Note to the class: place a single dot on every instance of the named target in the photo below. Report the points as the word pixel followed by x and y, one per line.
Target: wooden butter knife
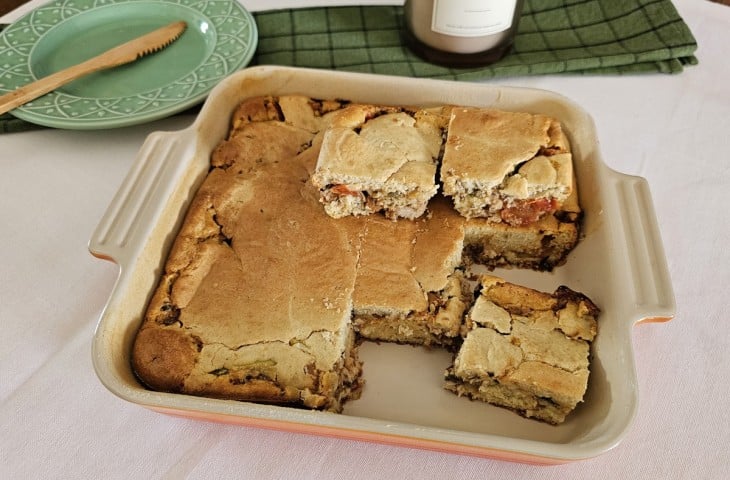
pixel 125 53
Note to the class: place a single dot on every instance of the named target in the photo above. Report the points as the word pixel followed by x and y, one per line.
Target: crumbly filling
pixel 520 199
pixel 438 325
pixel 335 387
pixel 541 248
pixel 341 200
pixel 525 404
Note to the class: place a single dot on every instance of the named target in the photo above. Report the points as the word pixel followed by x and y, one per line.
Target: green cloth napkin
pixel 554 36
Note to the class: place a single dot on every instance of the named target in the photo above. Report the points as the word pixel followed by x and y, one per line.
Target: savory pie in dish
pixel 266 295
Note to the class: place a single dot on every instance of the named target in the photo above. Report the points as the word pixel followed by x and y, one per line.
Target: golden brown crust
pixel 437 245
pixel 270 317
pixel 163 357
pixel 503 139
pixel 406 289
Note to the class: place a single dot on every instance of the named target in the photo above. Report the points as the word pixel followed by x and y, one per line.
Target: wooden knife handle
pixel 33 90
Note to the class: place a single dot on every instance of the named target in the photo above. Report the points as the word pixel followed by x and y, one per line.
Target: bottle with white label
pixel 461 33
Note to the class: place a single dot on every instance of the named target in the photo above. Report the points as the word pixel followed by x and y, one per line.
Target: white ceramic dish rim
pixel 141 222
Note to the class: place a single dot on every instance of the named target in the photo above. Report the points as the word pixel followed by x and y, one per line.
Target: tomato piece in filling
pixel 524 212
pixel 343 190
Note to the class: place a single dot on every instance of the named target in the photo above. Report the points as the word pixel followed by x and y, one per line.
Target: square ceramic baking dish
pixel 619 263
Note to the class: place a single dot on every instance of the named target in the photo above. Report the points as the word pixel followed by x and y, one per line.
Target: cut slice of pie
pixel 380 159
pixel 505 166
pixel 525 350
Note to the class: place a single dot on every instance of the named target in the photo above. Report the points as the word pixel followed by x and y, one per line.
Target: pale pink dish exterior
pixel 620 264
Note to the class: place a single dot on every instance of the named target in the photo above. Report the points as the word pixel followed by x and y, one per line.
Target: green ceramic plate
pixel 221 38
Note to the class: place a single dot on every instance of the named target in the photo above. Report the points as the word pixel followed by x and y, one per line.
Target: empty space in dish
pixel 403 401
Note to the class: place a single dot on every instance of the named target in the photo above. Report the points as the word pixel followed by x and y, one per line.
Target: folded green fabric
pixel 555 36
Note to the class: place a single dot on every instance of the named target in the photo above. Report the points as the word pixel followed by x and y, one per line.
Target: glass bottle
pixel 461 33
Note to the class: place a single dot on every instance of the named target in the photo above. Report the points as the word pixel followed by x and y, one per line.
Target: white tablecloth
pixel 58 421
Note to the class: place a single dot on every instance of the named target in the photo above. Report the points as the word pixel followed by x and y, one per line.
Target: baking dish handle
pixel 123 230
pixel 647 266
